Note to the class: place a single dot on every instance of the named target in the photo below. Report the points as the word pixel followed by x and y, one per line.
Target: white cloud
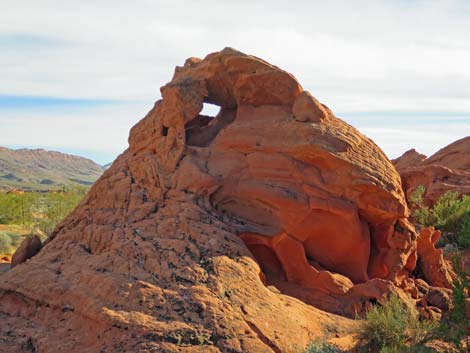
pixel 427 140
pixel 353 55
pixel 97 133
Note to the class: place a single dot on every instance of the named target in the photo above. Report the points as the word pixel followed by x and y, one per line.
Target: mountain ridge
pixel 43 170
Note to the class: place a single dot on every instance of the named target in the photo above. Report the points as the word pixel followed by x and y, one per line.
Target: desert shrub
pixel 421 215
pixel 394 328
pixel 39 210
pixel 449 210
pixel 16 208
pixel 9 242
pixel 53 208
pixel 450 214
pixel 463 234
pixel 322 347
pixel 35 212
pixel 455 325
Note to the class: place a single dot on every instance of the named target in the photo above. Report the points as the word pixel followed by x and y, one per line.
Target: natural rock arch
pixel 153 257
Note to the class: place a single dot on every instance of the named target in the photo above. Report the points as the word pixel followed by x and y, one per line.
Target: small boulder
pixel 430 313
pixel 440 298
pixel 422 285
pixel 30 246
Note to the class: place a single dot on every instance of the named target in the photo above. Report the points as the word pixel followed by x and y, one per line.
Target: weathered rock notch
pixel 156 256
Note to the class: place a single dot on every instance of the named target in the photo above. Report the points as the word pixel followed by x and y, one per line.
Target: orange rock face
pixel 408 159
pixel 446 170
pixel 437 271
pixel 453 156
pixel 179 245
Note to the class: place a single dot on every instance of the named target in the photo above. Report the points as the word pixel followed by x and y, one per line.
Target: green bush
pixel 455 325
pixel 450 214
pixel 449 210
pixel 9 242
pixel 463 235
pixel 39 211
pixel 35 212
pixel 422 214
pixel 54 207
pixel 322 347
pixel 394 328
pixel 17 208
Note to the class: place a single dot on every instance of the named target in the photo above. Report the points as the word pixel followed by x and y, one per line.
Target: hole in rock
pixel 210 110
pixel 206 125
pixel 165 131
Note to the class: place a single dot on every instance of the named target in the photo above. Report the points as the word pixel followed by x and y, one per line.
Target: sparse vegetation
pixel 34 212
pixel 421 214
pixel 9 242
pixel 463 235
pixel 393 328
pixel 450 214
pixel 456 325
pixel 322 347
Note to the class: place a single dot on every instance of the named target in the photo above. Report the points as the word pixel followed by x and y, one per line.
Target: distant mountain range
pixel 38 169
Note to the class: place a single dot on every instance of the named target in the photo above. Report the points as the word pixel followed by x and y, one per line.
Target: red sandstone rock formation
pixel 201 232
pixel 410 158
pixel 5 261
pixel 454 156
pixel 29 247
pixel 437 271
pixel 436 179
pixel 446 170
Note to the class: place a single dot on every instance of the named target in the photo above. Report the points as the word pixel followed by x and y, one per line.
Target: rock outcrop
pixel 29 247
pixel 446 170
pixel 436 179
pixel 437 271
pixel 5 263
pixel 205 233
pixel 453 156
pixel 410 158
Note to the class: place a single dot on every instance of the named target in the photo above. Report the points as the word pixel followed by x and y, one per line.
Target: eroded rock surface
pixel 437 271
pixel 446 170
pixel 205 233
pixel 410 158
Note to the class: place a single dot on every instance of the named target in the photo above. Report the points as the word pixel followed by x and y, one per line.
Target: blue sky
pixel 75 76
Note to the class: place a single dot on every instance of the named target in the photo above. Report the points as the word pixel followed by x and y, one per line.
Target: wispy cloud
pixel 361 58
pixel 20 103
pixel 98 132
pixel 18 41
pixel 408 113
